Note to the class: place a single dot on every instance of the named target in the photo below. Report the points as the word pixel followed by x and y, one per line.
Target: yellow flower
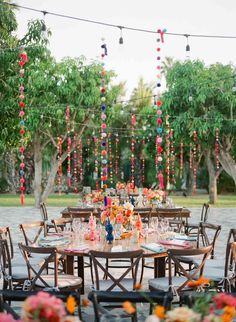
pixel 71 304
pixel 160 311
pixel 128 307
pixel 229 314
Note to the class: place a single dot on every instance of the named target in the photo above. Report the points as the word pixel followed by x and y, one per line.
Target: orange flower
pixel 128 307
pixel 160 311
pixel 137 286
pixel 85 302
pixel 199 282
pixel 71 304
pixel 229 313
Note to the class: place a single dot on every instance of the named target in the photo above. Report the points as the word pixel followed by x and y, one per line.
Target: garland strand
pixel 23 60
pixel 68 147
pixel 133 122
pixel 217 149
pixel 59 171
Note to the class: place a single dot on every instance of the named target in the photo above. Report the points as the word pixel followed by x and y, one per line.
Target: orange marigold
pixel 160 311
pixel 137 286
pixel 85 302
pixel 71 304
pixel 128 307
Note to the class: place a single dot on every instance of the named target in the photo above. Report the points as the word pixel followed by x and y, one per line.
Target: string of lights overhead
pixel 120 27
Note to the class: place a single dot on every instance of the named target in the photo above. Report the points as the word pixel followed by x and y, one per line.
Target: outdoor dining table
pixel 127 244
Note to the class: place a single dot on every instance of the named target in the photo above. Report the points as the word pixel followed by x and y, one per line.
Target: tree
pixel 200 98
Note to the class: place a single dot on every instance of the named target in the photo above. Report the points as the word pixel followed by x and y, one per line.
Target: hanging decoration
pixel 159 136
pixel 194 162
pixel 103 118
pixel 143 162
pixel 68 147
pixel 190 157
pixel 217 150
pixel 95 139
pixel 181 160
pixel 167 153
pixel 88 153
pixel 23 60
pixel 133 122
pixel 80 159
pixel 75 164
pixel 59 171
pixel 110 159
pixel 117 156
pixel 172 149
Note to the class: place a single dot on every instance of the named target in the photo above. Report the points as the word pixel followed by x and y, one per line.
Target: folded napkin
pixel 179 243
pixel 51 238
pixel 185 237
pixel 79 248
pixel 154 247
pixel 53 243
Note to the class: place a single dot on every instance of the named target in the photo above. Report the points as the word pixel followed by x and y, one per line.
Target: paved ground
pixel 13 216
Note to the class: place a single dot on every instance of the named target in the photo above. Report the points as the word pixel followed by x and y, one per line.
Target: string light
pixel 118 26
pixel 187 46
pixel 121 40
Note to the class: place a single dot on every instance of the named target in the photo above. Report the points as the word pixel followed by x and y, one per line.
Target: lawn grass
pixel 64 200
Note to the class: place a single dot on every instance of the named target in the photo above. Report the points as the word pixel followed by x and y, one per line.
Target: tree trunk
pixel 212 178
pixel 51 177
pixel 38 162
pixel 228 164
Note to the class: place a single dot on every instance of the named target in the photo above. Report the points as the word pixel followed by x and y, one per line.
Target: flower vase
pixel 109 230
pixel 118 231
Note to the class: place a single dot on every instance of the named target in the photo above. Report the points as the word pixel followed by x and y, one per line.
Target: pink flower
pixel 120 218
pixel 7 318
pixel 221 300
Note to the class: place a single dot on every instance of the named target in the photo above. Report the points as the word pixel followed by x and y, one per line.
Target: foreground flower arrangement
pixel 44 307
pixel 219 307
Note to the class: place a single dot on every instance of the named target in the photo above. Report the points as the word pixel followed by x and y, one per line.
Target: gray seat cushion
pixel 162 283
pixel 64 281
pixel 127 283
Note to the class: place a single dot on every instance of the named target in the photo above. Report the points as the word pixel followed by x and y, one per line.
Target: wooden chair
pixel 37 277
pixel 60 224
pixel 222 271
pixel 5 233
pixel 119 281
pixel 13 277
pixel 32 231
pixel 44 214
pixel 177 284
pixel 145 213
pixel 207 235
pixel 152 298
pixel 192 228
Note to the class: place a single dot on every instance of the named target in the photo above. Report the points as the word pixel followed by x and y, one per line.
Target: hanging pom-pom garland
pixel 217 149
pixel 167 153
pixel 110 159
pixel 117 157
pixel 23 60
pixel 181 160
pixel 88 153
pixel 59 171
pixel 68 147
pixel 133 122
pixel 75 161
pixel 80 159
pixel 194 162
pixel 95 139
pixel 143 163
pixel 159 136
pixel 103 118
pixel 172 157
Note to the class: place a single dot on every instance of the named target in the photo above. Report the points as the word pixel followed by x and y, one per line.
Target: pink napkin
pixel 78 249
pixel 178 243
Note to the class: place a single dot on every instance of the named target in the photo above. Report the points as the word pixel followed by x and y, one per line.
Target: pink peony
pixel 221 300
pixel 7 318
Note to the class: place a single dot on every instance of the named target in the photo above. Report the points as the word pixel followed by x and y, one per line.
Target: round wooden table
pixel 127 244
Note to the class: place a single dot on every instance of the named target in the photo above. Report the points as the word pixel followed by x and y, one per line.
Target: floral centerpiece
pixel 154 196
pixel 43 307
pixel 118 214
pixel 97 196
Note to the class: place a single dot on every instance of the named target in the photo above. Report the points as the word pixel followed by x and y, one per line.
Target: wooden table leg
pixel 69 265
pixel 159 266
pixel 81 271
